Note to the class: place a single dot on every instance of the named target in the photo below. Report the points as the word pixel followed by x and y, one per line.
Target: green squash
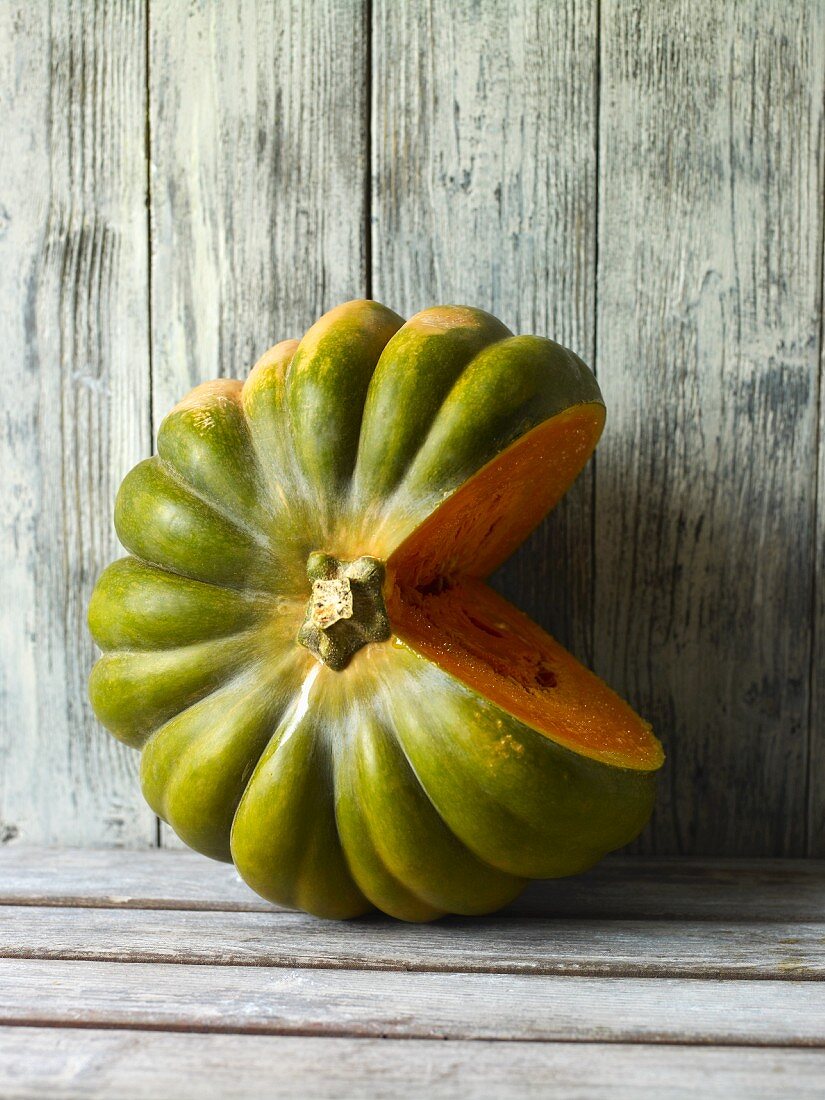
pixel 302 645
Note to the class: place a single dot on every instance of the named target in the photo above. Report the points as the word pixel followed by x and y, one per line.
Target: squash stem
pixel 346 610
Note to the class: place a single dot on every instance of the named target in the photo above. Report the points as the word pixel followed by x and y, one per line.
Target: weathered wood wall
pixel 182 184
pixel 75 397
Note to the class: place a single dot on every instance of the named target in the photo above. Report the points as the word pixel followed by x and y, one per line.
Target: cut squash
pixel 303 645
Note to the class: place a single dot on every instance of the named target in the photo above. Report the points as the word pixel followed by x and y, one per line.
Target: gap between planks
pixel 620 949
pixel 361 1004
pixel 65 1062
pixel 735 890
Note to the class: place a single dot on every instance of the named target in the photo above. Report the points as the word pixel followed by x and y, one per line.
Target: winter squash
pixel 302 643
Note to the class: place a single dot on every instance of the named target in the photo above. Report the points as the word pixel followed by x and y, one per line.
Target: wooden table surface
pixel 159 974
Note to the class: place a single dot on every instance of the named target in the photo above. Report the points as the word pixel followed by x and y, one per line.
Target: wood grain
pixel 484 192
pixel 359 1004
pixel 618 948
pixel 509 992
pixel 74 393
pixel 816 729
pixel 710 232
pixel 258 131
pixel 68 1063
pixel 634 889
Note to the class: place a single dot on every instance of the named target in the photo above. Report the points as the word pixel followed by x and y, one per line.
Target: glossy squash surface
pixel 301 641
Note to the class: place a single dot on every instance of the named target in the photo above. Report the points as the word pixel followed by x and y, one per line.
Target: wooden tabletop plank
pixel 113 878
pixel 738 890
pixel 517 946
pixel 133 1065
pixel 362 1003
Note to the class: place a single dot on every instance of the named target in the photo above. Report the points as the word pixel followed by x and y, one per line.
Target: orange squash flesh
pixel 439 606
pixel 481 524
pixel 496 650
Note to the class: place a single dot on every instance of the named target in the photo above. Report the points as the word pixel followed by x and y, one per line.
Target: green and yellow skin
pixel 258 646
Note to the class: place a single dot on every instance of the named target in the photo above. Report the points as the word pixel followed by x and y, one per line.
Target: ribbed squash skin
pixel 392 783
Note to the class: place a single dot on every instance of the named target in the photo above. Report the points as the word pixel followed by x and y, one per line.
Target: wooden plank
pixel 361 1003
pixel 816 729
pixel 517 946
pixel 737 890
pixel 258 128
pixel 153 879
pixel 68 1063
pixel 484 192
pixel 258 121
pixel 74 390
pixel 710 234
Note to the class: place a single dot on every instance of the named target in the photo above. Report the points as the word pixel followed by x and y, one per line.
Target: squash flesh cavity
pixel 439 606
pixel 497 651
pixel 482 523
